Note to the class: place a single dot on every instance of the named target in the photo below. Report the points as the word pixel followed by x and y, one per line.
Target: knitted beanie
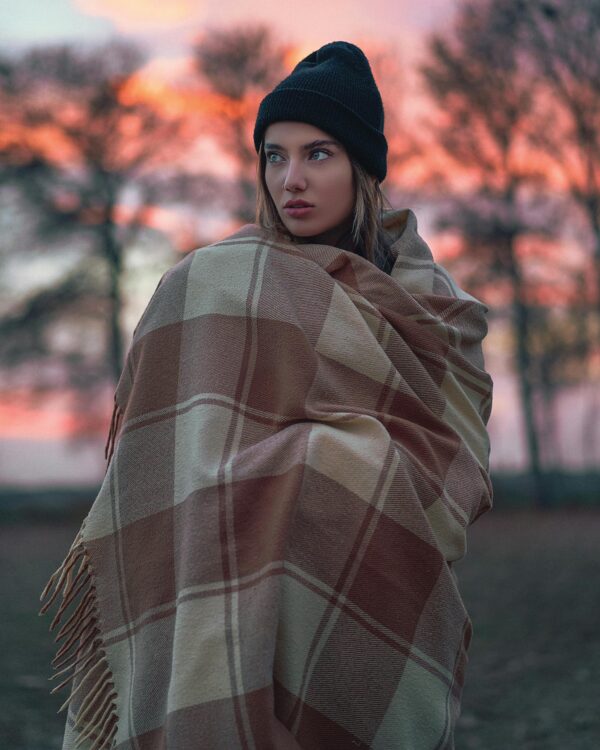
pixel 334 89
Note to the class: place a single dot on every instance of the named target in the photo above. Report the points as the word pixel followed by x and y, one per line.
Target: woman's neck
pixel 338 236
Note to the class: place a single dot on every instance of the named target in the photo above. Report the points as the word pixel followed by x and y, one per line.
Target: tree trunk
pixel 593 326
pixel 593 211
pixel 112 253
pixel 520 317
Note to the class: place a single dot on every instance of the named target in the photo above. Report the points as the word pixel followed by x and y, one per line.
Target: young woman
pixel 301 447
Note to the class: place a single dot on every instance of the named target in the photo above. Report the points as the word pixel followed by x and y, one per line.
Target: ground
pixel 529 582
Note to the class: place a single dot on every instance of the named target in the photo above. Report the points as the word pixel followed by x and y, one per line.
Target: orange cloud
pixel 132 15
pixel 169 69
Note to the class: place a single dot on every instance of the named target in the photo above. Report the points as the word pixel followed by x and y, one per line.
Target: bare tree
pixel 560 350
pixel 483 97
pixel 560 39
pixel 89 159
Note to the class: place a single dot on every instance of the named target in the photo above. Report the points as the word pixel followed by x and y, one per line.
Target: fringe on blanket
pixel 115 422
pixel 82 654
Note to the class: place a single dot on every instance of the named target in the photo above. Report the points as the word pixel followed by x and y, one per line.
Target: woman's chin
pixel 301 228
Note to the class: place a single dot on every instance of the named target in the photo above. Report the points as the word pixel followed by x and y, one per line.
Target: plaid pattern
pixel 302 448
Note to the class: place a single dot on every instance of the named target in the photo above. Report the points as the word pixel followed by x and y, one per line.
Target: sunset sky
pixel 168 27
pixel 167 30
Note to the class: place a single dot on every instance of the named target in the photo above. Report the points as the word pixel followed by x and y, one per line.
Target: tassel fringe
pixel 115 423
pixel 92 696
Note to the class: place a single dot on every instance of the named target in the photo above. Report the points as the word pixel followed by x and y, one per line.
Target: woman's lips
pixel 298 213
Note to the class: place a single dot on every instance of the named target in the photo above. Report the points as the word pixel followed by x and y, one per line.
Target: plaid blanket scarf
pixel 297 449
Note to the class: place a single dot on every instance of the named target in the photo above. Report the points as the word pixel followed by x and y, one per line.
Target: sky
pixel 166 29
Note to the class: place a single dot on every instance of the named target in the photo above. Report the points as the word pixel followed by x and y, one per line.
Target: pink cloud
pixel 139 15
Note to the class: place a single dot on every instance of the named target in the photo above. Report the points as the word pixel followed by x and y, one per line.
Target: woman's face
pixel 299 168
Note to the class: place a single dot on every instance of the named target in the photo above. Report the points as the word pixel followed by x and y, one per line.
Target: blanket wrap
pixel 297 449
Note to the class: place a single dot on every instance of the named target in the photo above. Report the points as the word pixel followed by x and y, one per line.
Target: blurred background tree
pixel 561 40
pixel 84 159
pixel 499 128
pixel 484 101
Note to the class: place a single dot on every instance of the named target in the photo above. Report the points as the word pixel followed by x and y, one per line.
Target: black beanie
pixel 333 89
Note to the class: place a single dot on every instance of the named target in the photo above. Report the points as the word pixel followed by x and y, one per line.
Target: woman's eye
pixel 269 154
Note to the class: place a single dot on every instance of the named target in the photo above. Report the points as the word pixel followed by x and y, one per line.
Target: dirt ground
pixel 530 582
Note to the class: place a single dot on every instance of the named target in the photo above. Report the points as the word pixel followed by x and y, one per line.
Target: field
pixel 530 582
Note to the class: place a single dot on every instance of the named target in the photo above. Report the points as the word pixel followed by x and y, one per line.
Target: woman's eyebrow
pixel 306 146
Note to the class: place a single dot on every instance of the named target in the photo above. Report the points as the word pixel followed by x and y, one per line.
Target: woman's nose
pixel 295 178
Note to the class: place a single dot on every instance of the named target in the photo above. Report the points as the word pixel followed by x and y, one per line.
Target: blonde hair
pixel 369 237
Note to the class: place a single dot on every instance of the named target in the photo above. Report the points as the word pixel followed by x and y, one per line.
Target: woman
pixel 301 448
